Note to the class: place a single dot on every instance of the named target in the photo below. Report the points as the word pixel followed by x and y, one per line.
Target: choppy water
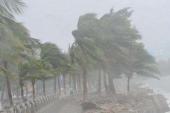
pixel 161 86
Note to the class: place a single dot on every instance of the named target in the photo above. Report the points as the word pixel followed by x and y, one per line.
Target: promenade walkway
pixel 68 105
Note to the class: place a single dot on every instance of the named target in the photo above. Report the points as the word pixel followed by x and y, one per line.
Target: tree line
pixel 107 47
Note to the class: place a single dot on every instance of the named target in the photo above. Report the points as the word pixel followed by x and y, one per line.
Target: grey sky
pixel 53 20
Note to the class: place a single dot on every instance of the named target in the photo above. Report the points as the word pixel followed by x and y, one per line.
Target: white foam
pixel 160 87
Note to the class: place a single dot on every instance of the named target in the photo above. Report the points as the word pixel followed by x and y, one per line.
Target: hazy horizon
pixel 51 20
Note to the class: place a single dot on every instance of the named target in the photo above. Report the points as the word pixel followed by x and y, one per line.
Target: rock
pixel 140 101
pixel 89 106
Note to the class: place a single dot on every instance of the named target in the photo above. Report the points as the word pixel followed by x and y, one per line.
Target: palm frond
pixel 10 7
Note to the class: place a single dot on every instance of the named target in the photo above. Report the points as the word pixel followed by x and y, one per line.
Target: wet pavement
pixel 63 106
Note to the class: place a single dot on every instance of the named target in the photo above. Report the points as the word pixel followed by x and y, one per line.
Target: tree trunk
pixel 64 83
pixel 26 91
pixel 55 85
pixel 59 85
pixel 105 82
pixel 8 83
pixel 33 88
pixel 111 84
pixel 128 84
pixel 79 85
pixel 99 82
pixel 70 81
pixel 85 90
pixel 2 92
pixel 9 90
pixel 18 93
pixel 21 88
pixel 74 83
pixel 44 88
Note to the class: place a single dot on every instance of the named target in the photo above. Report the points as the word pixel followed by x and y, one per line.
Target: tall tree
pixel 141 63
pixel 108 41
pixel 7 9
pixel 37 70
pixel 53 55
pixel 11 48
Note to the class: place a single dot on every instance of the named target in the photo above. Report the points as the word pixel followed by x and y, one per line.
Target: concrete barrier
pixel 31 106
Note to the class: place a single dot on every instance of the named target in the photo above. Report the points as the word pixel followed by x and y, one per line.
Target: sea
pixel 161 86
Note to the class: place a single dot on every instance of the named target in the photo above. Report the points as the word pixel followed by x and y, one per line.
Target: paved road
pixel 68 105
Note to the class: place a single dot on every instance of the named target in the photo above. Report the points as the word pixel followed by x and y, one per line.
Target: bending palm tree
pixel 10 7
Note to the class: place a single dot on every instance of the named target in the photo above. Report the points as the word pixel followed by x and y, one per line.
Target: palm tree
pixel 31 46
pixel 10 7
pixel 141 63
pixel 37 70
pixel 45 72
pixel 96 39
pixel 53 55
pixel 11 48
pixel 79 55
pixel 7 9
pixel 107 41
pixel 116 34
